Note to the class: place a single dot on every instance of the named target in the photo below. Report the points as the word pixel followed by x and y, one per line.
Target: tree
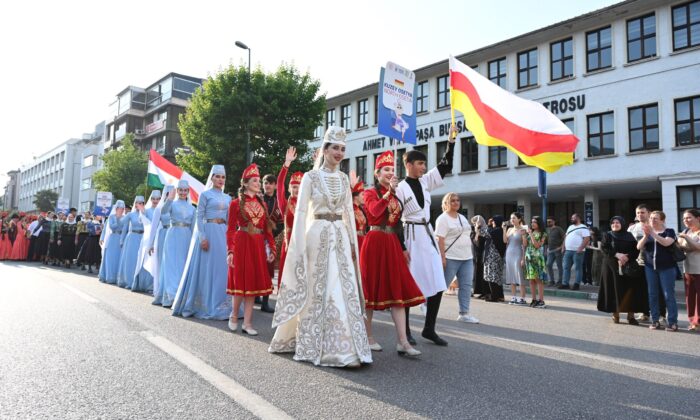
pixel 45 200
pixel 124 171
pixel 282 108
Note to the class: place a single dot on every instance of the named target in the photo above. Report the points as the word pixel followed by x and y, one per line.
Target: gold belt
pixel 361 233
pixel 385 229
pixel 328 217
pixel 217 221
pixel 251 230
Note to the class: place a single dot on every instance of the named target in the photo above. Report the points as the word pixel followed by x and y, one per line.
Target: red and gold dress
pixel 20 247
pixel 246 234
pixel 386 279
pixel 360 225
pixel 5 243
pixel 287 207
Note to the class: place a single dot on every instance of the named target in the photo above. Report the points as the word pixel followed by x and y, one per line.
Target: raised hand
pixel 291 156
pixel 353 179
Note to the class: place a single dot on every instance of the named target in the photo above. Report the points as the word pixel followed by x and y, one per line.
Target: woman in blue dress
pixel 132 233
pixel 111 244
pixel 202 289
pixel 143 280
pixel 176 242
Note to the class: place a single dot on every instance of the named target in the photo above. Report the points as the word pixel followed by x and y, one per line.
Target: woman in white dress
pixel 320 307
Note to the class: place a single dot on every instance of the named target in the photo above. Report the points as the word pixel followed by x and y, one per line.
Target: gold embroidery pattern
pixel 394 209
pixel 254 211
pixel 336 339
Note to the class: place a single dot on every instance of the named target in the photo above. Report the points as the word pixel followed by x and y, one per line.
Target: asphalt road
pixel 71 347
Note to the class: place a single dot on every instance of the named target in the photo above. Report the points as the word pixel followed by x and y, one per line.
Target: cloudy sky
pixel 63 62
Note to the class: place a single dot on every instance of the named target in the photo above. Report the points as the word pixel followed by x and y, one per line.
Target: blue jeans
pixel 552 257
pixel 664 279
pixel 576 259
pixel 464 270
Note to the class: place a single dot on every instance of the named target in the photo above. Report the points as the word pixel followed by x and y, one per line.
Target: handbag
pixel 676 252
pixel 632 269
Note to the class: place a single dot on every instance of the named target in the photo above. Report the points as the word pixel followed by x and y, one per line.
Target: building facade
pixel 10 199
pixel 151 114
pixel 625 79
pixel 90 162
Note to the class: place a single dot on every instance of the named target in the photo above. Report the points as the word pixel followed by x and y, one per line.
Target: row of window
pixel 641 44
pixel 643 131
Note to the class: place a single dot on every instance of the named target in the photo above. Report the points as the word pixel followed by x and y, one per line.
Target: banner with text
pixel 396 111
pixel 103 203
pixel 62 205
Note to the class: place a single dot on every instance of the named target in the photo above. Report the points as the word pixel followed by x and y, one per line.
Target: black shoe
pixel 258 300
pixel 534 303
pixel 411 340
pixel 265 307
pixel 432 336
pixel 563 286
pixel 82 268
pixel 551 284
pixel 575 286
pixel 90 270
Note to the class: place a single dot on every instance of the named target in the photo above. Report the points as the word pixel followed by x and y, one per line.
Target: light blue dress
pixel 202 291
pixel 130 249
pixel 143 281
pixel 176 243
pixel 112 251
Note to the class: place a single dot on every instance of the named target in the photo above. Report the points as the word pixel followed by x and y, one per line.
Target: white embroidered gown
pixel 320 307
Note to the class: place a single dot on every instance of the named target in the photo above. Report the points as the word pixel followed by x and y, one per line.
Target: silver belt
pixel 328 217
pixel 180 224
pixel 137 231
pixel 218 221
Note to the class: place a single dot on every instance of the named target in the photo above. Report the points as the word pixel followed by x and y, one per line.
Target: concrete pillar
pixel 590 204
pixel 525 205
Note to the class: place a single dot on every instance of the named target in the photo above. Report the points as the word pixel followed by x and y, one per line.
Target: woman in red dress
pixel 5 244
pixel 358 201
pixel 247 231
pixel 386 279
pixel 21 244
pixel 287 207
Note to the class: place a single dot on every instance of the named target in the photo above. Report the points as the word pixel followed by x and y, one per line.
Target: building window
pixel 688 198
pixel 89 161
pixel 601 134
pixel 688 121
pixel 361 167
pixel 422 102
pixel 86 184
pixel 330 117
pixel 497 72
pixel 561 59
pixel 470 155
pixel 644 127
pixel 527 68
pixel 641 37
pixel 686 25
pixel 346 116
pixel 400 169
pixel 599 49
pixel 362 113
pixel 345 166
pixel 498 157
pixel 85 206
pixel 569 122
pixel 319 132
pixel 443 91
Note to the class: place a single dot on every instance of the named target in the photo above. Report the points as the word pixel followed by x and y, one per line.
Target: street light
pixel 241 45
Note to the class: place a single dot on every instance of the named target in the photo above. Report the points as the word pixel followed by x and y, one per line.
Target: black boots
pixel 430 319
pixel 409 337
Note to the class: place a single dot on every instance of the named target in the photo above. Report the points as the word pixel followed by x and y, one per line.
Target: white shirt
pixel 33 226
pixel 456 232
pixel 636 230
pixel 574 236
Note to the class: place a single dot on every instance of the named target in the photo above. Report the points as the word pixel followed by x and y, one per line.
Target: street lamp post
pixel 239 44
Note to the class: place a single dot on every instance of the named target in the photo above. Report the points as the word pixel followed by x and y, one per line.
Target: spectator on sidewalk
pixel 660 268
pixel 592 259
pixel 516 239
pixel 478 237
pixel 494 251
pixel 534 262
pixel 689 241
pixel 575 242
pixel 555 245
pixel 641 213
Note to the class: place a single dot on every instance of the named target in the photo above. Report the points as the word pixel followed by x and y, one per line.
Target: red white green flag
pixel 162 172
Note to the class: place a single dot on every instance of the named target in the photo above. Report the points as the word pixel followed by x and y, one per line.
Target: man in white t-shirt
pixel 577 238
pixel 453 234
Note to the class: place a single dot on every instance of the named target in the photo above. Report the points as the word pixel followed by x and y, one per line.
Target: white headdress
pixel 334 135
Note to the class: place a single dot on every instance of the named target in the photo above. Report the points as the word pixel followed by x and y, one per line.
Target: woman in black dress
pixel 494 251
pixel 622 286
pixel 478 237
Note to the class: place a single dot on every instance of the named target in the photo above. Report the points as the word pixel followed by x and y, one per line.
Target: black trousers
pixel 433 303
pixel 32 246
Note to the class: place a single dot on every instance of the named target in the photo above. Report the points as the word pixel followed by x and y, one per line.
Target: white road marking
pixel 592 356
pixel 84 296
pixel 656 410
pixel 237 392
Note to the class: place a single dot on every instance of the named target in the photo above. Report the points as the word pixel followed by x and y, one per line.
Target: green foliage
pixel 45 200
pixel 124 171
pixel 282 109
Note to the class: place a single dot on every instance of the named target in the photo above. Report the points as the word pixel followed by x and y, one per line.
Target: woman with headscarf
pixel 622 286
pixel 249 232
pixel 319 313
pixel 478 237
pixel 494 251
pixel 42 244
pixel 111 240
pixel 180 212
pixel 132 229
pixel 89 254
pixel 143 280
pixel 202 289
pixel 66 240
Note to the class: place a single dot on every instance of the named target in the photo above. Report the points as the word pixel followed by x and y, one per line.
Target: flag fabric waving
pixel 161 172
pixel 497 117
